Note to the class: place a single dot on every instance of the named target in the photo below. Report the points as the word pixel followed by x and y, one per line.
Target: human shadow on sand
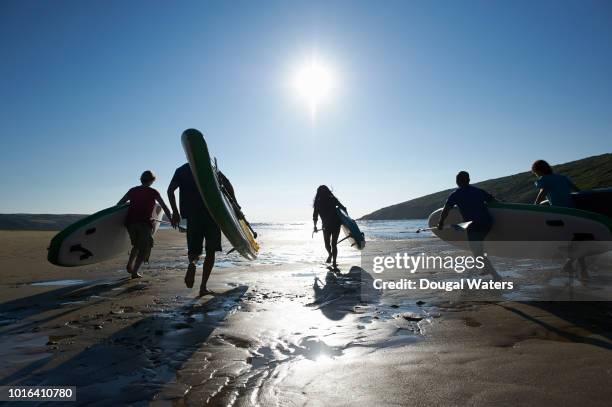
pixel 135 363
pixel 338 295
pixel 77 296
pixel 592 317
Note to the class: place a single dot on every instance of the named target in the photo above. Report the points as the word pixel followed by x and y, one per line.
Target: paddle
pixel 315 231
pixel 460 227
pixel 339 241
pixel 229 193
pixel 250 228
pixel 344 238
pixel 180 228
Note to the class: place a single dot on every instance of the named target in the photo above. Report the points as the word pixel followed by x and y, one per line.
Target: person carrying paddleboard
pixel 556 188
pixel 324 205
pixel 471 202
pixel 138 220
pixel 200 225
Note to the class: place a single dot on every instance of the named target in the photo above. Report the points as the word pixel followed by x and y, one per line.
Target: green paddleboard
pixel 95 238
pixel 217 200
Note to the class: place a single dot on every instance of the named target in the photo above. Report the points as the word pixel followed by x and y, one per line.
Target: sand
pixel 274 335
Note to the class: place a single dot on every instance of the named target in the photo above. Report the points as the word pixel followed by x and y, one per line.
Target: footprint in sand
pixel 471 322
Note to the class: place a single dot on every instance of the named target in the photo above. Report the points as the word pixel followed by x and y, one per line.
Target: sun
pixel 314 83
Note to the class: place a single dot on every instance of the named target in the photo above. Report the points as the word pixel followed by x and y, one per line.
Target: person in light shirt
pixel 556 188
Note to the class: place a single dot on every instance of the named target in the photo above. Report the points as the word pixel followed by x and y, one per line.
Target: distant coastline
pixel 29 221
pixel 39 222
pixel 587 173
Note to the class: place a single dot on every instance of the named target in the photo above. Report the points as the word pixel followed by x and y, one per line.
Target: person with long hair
pixel 556 188
pixel 324 206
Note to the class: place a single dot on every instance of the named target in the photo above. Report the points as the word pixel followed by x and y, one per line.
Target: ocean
pixel 293 244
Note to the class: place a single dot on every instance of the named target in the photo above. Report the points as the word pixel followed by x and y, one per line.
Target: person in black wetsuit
pixel 324 205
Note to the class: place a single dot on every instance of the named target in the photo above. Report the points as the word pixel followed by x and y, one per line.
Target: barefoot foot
pixel 205 291
pixel 190 275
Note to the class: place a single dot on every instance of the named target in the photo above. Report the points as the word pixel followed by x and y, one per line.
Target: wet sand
pixel 283 334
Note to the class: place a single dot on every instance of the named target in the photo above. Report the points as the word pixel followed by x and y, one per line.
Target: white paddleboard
pixel 95 238
pixel 534 231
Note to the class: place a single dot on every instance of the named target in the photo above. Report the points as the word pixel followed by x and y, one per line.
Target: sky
pixel 93 93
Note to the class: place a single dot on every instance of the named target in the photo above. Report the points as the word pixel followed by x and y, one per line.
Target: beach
pixel 410 203
pixel 283 333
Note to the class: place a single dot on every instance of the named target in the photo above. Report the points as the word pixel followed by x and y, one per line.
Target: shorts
pixel 141 236
pixel 199 228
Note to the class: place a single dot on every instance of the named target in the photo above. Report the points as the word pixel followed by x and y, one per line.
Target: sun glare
pixel 314 83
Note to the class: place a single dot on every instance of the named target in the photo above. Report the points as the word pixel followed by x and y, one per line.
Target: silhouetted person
pixel 139 220
pixel 324 205
pixel 556 188
pixel 200 225
pixel 471 202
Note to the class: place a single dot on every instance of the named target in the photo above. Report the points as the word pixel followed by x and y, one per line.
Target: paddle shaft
pixel 316 231
pixel 462 225
pixel 229 194
pixel 180 228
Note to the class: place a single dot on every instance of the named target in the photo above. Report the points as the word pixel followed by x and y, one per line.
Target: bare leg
pixel 130 263
pixel 191 270
pixel 476 237
pixel 569 266
pixel 489 267
pixel 584 274
pixel 334 245
pixel 137 264
pixel 326 240
pixel 209 262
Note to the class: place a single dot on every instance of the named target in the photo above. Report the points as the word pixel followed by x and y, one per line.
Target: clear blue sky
pixel 94 92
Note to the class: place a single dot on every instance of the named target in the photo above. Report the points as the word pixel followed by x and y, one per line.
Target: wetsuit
pixel 326 209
